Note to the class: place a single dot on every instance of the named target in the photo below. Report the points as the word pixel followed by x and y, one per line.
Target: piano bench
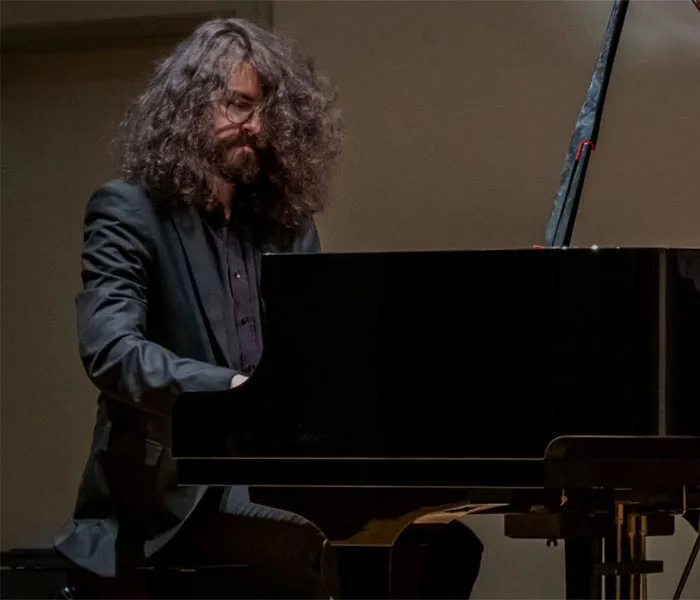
pixel 44 573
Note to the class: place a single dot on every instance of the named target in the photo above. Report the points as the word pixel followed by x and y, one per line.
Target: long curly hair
pixel 166 136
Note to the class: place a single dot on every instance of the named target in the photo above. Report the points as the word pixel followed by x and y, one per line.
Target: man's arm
pixel 112 310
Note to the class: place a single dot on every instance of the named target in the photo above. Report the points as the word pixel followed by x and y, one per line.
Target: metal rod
pixel 643 551
pixel 631 537
pixel 619 521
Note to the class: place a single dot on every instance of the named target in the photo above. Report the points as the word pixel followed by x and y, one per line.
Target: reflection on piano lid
pixel 480 354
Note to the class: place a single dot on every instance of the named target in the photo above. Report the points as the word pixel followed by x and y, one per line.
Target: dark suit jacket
pixel 150 326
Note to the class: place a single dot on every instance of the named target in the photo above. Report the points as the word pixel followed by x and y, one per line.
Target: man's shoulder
pixel 122 191
pixel 123 199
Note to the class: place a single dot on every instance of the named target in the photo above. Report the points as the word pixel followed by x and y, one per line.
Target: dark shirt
pixel 233 248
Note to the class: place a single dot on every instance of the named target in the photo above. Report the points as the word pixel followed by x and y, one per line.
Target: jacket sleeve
pixel 117 265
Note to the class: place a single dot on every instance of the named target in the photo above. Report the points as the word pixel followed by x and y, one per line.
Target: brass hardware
pixel 643 551
pixel 631 535
pixel 619 520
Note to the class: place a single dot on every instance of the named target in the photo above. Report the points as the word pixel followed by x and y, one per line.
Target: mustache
pixel 242 140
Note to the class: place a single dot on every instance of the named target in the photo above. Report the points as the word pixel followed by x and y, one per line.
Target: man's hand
pixel 237 380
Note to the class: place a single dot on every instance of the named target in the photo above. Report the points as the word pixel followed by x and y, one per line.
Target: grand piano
pixel 555 386
pixel 399 391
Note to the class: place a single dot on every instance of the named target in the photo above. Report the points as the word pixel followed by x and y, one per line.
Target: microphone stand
pixel 585 136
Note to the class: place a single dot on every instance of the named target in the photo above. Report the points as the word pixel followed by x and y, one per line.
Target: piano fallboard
pixel 362 472
pixel 637 463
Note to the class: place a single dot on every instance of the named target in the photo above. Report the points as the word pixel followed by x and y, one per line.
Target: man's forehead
pixel 244 77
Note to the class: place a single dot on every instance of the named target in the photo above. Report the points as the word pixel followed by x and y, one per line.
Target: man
pixel 226 154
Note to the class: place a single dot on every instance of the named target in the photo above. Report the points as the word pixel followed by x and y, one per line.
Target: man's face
pixel 237 125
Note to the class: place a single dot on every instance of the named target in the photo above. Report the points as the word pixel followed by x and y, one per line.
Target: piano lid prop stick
pixel 585 136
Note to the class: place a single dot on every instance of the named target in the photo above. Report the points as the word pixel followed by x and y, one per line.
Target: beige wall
pixel 458 118
pixel 460 113
pixel 60 111
pixel 58 115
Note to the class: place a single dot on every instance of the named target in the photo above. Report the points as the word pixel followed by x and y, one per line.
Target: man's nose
pixel 254 124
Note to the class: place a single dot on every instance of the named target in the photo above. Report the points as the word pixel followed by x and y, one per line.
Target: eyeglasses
pixel 239 109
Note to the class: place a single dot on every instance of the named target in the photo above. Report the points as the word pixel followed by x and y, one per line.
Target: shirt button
pixel 244 320
pixel 237 275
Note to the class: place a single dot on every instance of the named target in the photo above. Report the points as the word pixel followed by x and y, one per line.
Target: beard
pixel 238 164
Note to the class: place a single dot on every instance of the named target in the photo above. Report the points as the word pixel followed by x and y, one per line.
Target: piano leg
pixel 581 556
pixel 364 571
pixel 432 559
pixel 435 557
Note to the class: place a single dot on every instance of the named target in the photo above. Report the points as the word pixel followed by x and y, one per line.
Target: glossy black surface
pixel 364 472
pixel 457 354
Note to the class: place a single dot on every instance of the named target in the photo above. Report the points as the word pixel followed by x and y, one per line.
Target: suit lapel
pixel 203 272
